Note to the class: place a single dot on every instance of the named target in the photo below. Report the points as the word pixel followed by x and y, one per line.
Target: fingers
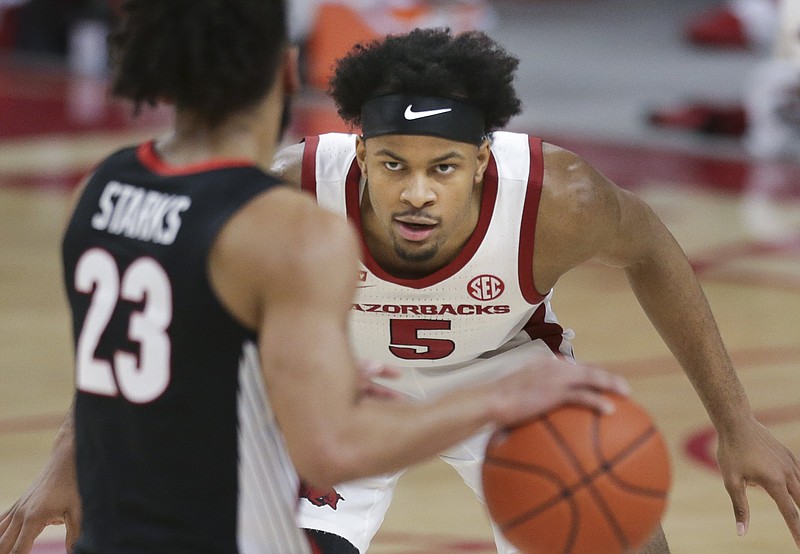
pixel 5 521
pixel 8 532
pixel 9 536
pixel 603 380
pixel 741 508
pixel 592 400
pixel 788 499
pixel 27 536
pixel 73 531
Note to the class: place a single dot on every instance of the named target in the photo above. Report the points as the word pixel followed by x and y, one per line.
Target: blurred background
pixel 693 104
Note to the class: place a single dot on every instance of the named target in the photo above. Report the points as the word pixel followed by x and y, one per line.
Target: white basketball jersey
pixel 482 303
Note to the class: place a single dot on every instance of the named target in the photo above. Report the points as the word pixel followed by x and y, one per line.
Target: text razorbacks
pixel 433 309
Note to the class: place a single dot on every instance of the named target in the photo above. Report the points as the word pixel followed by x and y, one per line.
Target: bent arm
pixel 298 295
pixel 626 233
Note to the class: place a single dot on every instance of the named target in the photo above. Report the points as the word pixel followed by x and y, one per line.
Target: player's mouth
pixel 415 229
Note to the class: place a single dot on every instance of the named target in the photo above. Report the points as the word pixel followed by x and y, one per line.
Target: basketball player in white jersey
pixel 192 277
pixel 465 230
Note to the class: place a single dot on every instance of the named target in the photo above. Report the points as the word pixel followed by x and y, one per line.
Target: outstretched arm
pixel 626 233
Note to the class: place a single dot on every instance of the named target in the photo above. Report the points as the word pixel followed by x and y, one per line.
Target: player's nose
pixel 417 191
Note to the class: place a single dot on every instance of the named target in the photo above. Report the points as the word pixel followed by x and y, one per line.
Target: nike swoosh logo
pixel 412 115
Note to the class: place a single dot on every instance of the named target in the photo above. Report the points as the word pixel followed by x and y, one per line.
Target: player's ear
pixel 291 70
pixel 483 160
pixel 361 155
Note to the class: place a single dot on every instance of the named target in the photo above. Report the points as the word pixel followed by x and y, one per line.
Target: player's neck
pixel 250 135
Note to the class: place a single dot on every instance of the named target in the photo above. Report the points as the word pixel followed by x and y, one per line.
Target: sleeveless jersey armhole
pixel 530 213
pixel 308 177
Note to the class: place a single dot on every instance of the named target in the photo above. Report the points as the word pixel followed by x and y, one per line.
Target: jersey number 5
pixel 408 345
pixel 139 379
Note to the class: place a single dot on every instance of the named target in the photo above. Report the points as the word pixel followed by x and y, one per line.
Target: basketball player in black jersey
pixel 210 350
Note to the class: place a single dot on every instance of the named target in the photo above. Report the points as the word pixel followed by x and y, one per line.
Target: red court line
pixel 405 543
pixel 632 166
pixel 726 253
pixel 42 181
pixel 743 359
pixel 422 543
pixel 754 279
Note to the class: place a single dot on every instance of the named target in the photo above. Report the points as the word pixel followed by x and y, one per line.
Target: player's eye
pixel 445 169
pixel 393 166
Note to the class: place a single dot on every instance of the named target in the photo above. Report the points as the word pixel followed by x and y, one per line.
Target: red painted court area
pixel 39 103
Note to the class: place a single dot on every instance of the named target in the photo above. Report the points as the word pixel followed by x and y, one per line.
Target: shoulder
pixel 285 226
pixel 573 186
pixel 287 164
pixel 578 213
pixel 272 250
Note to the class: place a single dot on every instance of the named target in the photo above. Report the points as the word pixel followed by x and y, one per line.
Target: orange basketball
pixel 575 481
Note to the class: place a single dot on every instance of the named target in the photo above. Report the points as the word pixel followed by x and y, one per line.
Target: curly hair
pixel 470 67
pixel 214 57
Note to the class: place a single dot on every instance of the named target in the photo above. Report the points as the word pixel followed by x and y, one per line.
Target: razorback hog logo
pixel 485 287
pixel 320 497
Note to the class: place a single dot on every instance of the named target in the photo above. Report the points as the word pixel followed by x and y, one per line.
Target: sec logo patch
pixel 486 287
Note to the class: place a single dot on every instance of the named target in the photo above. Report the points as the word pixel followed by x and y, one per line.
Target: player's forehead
pixel 419 148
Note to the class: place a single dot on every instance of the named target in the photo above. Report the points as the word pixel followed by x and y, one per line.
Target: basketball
pixel 575 481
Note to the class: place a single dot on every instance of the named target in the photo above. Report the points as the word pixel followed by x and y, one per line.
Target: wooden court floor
pixel 740 227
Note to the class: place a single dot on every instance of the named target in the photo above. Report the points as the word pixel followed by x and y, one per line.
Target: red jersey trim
pixel 308 173
pixel 530 212
pixel 147 155
pixel 489 196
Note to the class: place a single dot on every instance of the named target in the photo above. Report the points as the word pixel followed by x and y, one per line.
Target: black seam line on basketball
pixel 607 467
pixel 587 478
pixel 621 483
pixel 529 468
pixel 604 467
pixel 632 447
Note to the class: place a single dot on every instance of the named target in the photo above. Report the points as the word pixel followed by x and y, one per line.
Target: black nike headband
pixel 401 114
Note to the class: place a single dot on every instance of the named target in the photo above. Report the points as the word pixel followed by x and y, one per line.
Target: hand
pixel 548 382
pixel 752 456
pixel 52 499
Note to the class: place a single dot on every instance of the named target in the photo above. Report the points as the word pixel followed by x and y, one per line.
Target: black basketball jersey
pixel 177 448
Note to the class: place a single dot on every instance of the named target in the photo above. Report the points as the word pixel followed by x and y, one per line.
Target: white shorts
pixel 361 505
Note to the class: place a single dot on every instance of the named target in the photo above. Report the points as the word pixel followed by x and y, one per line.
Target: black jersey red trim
pixel 147 155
